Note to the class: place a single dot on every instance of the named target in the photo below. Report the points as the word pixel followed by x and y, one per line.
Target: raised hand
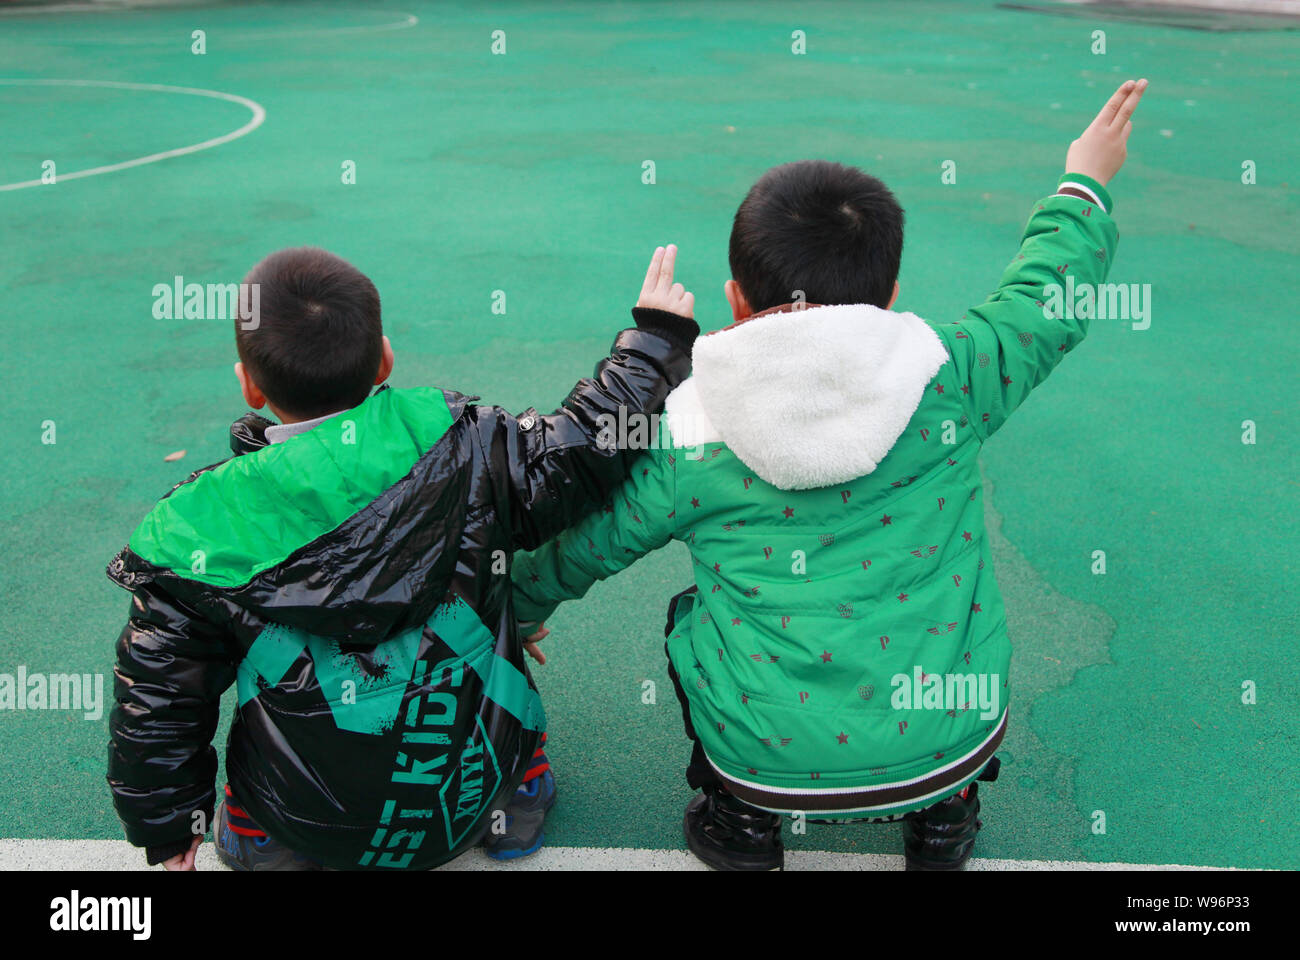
pixel 659 292
pixel 1101 149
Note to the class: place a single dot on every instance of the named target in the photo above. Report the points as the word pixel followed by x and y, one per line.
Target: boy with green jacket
pixel 844 651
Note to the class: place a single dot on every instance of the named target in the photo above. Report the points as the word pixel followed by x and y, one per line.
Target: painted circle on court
pixel 257 110
pixel 404 22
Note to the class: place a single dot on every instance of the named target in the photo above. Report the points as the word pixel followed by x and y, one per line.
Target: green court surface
pixel 522 172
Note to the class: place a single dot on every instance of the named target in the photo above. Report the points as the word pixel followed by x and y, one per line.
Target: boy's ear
pixel 252 396
pixel 385 363
pixel 740 308
pixel 890 304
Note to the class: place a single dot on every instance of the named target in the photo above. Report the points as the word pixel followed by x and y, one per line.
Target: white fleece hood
pixel 807 398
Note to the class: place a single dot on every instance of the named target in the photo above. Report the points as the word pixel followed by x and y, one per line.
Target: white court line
pixel 60 8
pixel 408 20
pixel 259 115
pixel 118 855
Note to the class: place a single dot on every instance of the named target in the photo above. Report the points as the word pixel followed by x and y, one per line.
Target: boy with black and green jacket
pixel 843 653
pixel 348 572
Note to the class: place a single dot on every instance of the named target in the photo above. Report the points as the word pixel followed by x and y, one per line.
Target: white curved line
pixel 259 115
pixel 409 21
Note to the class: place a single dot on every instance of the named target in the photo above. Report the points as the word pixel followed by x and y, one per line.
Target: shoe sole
pixel 500 855
pixel 931 867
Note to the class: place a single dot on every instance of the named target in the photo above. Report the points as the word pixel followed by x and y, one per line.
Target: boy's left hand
pixel 531 641
pixel 184 861
pixel 659 292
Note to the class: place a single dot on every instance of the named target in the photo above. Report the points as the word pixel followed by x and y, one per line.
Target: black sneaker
pixel 728 834
pixel 942 836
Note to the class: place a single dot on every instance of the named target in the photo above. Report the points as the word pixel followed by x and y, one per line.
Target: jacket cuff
pixel 165 851
pixel 679 331
pixel 531 615
pixel 1085 185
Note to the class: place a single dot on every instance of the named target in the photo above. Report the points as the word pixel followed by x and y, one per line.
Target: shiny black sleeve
pixel 172 668
pixel 552 470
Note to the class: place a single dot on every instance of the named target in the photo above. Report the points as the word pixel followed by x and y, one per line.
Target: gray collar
pixel 280 432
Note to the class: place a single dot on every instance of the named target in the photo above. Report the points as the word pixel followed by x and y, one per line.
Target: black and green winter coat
pixel 353 584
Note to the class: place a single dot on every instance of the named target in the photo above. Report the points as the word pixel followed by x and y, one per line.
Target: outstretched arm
pixel 1008 345
pixel 638 518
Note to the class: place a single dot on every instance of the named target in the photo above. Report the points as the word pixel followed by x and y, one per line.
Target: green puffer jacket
pixel 847 652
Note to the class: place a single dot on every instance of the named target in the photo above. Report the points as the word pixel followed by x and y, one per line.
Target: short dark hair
pixel 829 230
pixel 318 342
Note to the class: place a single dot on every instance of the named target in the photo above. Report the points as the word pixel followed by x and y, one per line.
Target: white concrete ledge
pixel 118 855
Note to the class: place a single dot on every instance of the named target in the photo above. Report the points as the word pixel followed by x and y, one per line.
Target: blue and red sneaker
pixel 241 845
pixel 525 816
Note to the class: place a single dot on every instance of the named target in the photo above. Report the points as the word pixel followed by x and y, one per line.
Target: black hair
pixel 317 342
pixel 829 230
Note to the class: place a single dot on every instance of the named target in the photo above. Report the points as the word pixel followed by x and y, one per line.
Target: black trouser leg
pixel 722 830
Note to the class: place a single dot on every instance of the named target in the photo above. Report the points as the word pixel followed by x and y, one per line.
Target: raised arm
pixel 637 519
pixel 1009 344
pixel 551 470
